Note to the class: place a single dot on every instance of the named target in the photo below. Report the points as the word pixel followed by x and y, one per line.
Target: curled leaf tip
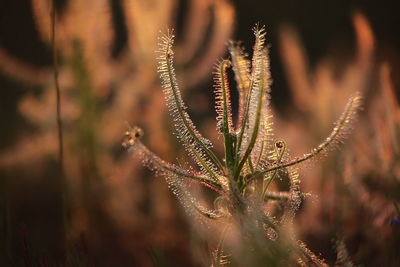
pixel 131 136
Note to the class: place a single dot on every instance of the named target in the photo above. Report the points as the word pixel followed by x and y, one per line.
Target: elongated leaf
pixel 257 98
pixel 241 67
pixel 340 132
pixel 253 91
pixel 197 146
pixel 265 138
pixel 162 167
pixel 223 108
pixel 222 98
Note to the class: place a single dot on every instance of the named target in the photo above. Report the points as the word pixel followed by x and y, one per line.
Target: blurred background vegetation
pixel 106 209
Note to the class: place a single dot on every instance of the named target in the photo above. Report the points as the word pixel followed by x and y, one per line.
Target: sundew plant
pixel 250 199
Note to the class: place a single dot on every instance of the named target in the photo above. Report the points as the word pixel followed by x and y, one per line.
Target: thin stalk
pixel 64 194
pixel 57 87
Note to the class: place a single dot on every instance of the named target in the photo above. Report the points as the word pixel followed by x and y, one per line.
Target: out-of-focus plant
pixel 245 200
pixel 360 184
pixel 106 73
pixel 85 38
